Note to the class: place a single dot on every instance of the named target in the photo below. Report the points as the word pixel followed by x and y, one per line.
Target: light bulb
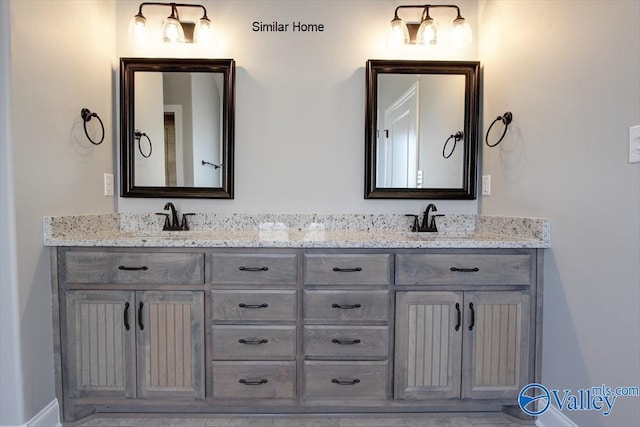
pixel 399 32
pixel 203 32
pixel 138 30
pixel 172 31
pixel 460 33
pixel 427 32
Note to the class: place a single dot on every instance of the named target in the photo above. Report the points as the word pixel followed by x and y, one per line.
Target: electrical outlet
pixel 634 144
pixel 108 184
pixel 486 185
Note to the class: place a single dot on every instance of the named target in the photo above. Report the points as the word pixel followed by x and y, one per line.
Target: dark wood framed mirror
pixel 177 127
pixel 421 129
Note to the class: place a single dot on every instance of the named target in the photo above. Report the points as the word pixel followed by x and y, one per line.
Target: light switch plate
pixel 108 184
pixel 634 144
pixel 486 185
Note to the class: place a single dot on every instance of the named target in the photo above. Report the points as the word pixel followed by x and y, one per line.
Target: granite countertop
pixel 210 230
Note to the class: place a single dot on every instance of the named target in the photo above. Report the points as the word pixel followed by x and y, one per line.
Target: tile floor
pixel 367 420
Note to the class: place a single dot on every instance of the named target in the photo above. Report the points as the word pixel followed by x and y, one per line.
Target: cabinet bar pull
pixel 253 342
pixel 347 270
pixel 243 268
pixel 346 306
pixel 125 268
pixel 345 342
pixel 243 305
pixel 473 316
pixel 126 316
pixel 459 316
pixel 259 382
pixel 343 382
pixel 140 324
pixel 465 270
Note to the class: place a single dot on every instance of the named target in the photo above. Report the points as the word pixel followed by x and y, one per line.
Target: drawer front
pixel 257 342
pixel 133 267
pixel 334 305
pixel 254 380
pixel 263 305
pixel 350 269
pixel 345 380
pixel 346 341
pixel 249 269
pixel 463 269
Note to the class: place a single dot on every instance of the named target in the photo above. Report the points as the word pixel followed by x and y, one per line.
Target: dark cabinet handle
pixel 346 306
pixel 140 324
pixel 243 305
pixel 243 268
pixel 125 268
pixel 253 342
pixel 465 270
pixel 343 382
pixel 259 382
pixel 459 316
pixel 126 316
pixel 347 270
pixel 345 342
pixel 473 316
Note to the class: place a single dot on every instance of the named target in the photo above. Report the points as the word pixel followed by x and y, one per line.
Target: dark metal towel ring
pixel 138 136
pixel 86 115
pixel 457 137
pixel 506 118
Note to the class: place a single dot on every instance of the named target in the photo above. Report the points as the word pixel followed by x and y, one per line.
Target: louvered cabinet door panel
pixel 170 344
pixel 100 344
pixel 428 346
pixel 495 352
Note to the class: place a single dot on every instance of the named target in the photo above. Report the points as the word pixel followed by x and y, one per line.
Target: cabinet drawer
pixel 345 380
pixel 133 267
pixel 254 380
pixel 350 269
pixel 258 342
pixel 249 269
pixel 263 305
pixel 346 341
pixel 333 305
pixel 463 269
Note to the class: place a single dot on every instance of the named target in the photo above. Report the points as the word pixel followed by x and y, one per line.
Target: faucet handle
pixel 185 225
pixel 416 224
pixel 433 222
pixel 167 224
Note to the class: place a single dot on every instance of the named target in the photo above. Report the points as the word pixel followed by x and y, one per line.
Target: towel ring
pixel 457 137
pixel 138 136
pixel 86 115
pixel 506 118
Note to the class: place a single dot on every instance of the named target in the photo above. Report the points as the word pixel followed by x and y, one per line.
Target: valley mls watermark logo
pixel 535 399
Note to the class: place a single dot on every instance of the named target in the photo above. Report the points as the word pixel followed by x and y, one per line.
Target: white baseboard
pixel 49 416
pixel 554 418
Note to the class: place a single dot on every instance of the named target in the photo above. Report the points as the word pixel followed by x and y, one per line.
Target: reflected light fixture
pixel 426 31
pixel 173 30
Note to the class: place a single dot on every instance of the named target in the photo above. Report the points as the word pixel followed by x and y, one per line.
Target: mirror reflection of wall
pixel 181 114
pixel 416 114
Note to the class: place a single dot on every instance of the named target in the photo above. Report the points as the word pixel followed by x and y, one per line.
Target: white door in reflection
pixel 398 153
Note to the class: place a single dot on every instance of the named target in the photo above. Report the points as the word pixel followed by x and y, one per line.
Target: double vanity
pixel 295 313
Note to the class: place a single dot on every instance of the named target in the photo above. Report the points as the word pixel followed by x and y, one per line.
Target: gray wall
pixel 570 73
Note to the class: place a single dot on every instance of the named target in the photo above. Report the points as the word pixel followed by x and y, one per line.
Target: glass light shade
pixel 461 33
pixel 399 32
pixel 172 31
pixel 203 32
pixel 427 32
pixel 138 30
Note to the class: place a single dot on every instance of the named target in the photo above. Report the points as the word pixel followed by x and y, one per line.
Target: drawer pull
pixel 459 316
pixel 140 324
pixel 243 305
pixel 343 382
pixel 465 270
pixel 243 268
pixel 346 306
pixel 259 382
pixel 126 316
pixel 347 270
pixel 253 342
pixel 345 342
pixel 125 268
pixel 473 316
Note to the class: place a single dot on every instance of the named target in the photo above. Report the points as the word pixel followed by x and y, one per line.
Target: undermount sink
pixel 161 234
pixel 440 235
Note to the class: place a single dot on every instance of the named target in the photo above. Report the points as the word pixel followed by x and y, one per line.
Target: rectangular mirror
pixel 177 127
pixel 421 129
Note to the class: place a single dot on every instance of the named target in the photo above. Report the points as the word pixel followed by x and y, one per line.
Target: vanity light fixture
pixel 173 30
pixel 426 32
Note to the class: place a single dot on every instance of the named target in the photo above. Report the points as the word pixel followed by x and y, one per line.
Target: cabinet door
pixel 100 344
pixel 170 344
pixel 428 345
pixel 496 342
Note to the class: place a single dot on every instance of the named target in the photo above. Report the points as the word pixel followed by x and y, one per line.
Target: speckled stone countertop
pixel 210 230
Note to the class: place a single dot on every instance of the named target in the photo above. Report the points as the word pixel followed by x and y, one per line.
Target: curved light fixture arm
pixel 412 27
